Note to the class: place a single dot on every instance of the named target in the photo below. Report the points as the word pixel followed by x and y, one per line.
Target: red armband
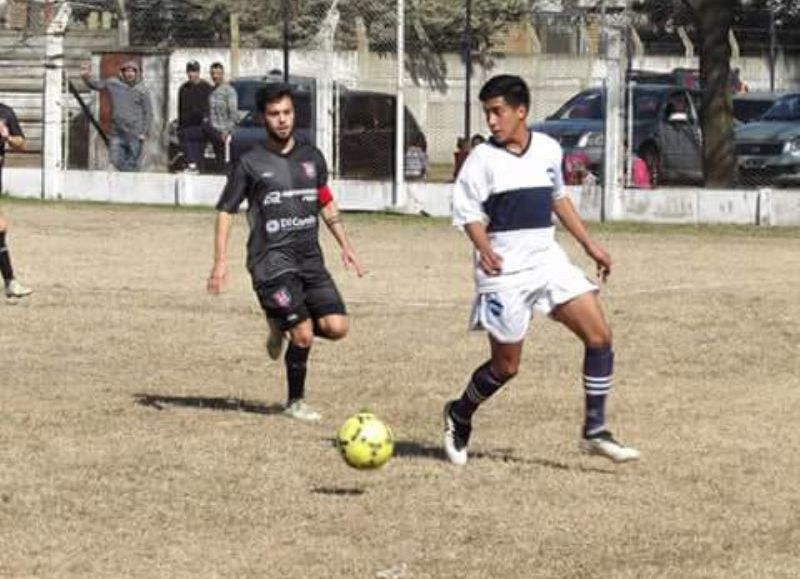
pixel 324 195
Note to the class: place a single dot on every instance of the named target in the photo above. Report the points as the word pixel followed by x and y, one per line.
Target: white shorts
pixel 506 313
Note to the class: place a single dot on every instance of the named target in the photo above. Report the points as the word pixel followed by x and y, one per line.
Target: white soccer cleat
pixel 456 437
pixel 14 289
pixel 603 444
pixel 274 341
pixel 299 410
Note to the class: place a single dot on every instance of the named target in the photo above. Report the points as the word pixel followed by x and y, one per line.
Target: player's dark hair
pixel 512 88
pixel 272 92
pixel 217 65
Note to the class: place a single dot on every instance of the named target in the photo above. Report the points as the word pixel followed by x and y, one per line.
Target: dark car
pixel 364 142
pixel 768 150
pixel 666 130
pixel 365 137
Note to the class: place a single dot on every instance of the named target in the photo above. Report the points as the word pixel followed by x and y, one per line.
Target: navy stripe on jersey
pixel 528 208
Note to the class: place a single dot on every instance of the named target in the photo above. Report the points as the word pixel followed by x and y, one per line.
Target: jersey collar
pixel 492 141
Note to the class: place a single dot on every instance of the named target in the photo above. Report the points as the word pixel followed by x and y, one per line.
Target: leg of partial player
pixel 13 288
pixel 301 337
pixel 485 381
pixel 584 316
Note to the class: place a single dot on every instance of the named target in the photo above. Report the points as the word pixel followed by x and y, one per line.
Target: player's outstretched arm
pixel 218 277
pixel 570 219
pixel 333 219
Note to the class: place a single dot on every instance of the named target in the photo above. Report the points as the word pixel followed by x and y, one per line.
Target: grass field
pixel 140 434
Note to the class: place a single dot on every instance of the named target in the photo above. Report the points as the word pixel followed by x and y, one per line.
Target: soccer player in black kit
pixel 285 184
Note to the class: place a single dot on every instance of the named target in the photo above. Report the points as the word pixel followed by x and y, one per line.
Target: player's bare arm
pixel 569 218
pixel 333 220
pixel 490 262
pixel 218 277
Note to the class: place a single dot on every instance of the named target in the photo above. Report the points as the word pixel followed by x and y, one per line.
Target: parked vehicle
pixel 749 106
pixel 365 136
pixel 768 150
pixel 666 130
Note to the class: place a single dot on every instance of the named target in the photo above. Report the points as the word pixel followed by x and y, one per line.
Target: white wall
pixel 768 207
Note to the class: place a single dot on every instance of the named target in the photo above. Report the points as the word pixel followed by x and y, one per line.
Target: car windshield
pixel 786 109
pixel 584 106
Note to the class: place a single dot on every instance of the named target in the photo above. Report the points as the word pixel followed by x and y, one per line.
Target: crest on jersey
pixel 282 298
pixel 309 169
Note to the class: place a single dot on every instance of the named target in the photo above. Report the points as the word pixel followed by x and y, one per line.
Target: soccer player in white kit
pixel 504 198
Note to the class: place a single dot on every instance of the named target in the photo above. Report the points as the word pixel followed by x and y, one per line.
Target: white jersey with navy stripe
pixel 512 194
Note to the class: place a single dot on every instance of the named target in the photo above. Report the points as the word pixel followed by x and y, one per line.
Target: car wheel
pixel 652 159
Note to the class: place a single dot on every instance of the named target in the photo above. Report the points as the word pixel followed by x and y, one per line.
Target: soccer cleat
pixel 299 410
pixel 14 289
pixel 603 444
pixel 456 437
pixel 274 341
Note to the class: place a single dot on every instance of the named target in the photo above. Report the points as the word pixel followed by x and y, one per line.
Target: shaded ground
pixel 140 434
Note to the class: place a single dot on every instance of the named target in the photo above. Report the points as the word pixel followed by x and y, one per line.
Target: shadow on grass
pixel 160 401
pixel 414 449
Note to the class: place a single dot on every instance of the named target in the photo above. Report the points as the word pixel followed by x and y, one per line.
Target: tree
pixel 433 27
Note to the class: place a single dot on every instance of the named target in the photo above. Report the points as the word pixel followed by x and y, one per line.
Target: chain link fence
pixel 341 56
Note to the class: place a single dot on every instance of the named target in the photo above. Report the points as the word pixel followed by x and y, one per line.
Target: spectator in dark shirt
pixel 192 114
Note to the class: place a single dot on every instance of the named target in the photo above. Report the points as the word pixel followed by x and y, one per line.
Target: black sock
pixel 5 260
pixel 598 377
pixel 481 387
pixel 296 362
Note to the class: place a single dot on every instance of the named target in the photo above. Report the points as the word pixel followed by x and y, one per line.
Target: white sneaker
pixel 192 169
pixel 456 437
pixel 603 444
pixel 14 289
pixel 274 341
pixel 299 410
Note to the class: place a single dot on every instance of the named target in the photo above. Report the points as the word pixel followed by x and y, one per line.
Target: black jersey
pixel 284 194
pixel 7 115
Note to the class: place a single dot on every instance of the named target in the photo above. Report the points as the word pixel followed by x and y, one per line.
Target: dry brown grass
pixel 138 434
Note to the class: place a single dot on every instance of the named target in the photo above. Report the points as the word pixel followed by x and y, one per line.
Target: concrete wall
pixel 766 207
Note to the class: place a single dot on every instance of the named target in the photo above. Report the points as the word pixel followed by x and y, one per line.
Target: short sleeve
pixel 470 190
pixel 324 193
pixel 322 170
pixel 235 191
pixel 555 170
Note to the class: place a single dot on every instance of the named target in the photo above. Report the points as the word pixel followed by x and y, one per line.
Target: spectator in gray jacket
pixel 223 114
pixel 131 113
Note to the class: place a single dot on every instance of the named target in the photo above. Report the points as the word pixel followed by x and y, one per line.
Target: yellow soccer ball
pixel 365 441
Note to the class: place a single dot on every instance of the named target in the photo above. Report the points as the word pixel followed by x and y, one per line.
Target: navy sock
pixel 598 377
pixel 5 260
pixel 296 359
pixel 481 387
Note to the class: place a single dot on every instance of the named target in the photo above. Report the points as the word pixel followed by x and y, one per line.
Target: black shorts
pixel 292 298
